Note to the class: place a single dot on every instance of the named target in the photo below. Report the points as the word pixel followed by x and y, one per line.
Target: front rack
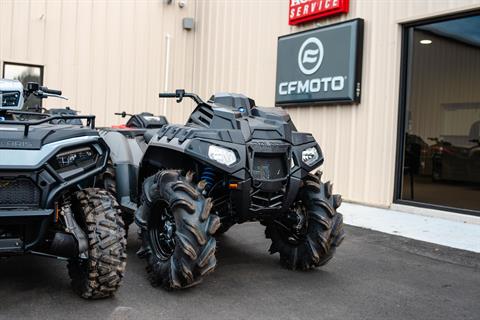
pixel 90 120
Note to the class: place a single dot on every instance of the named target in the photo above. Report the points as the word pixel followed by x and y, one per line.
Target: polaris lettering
pixel 15 144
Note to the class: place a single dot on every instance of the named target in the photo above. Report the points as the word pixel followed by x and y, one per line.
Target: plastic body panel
pixel 127 147
pixel 36 166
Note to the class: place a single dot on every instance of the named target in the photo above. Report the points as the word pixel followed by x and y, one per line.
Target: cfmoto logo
pixel 310 56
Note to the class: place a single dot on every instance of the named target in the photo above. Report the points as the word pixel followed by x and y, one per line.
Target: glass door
pixel 440 115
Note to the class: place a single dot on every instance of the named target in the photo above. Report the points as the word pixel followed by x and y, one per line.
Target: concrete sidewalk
pixel 451 230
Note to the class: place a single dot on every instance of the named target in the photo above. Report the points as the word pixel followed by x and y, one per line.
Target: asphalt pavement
pixel 373 276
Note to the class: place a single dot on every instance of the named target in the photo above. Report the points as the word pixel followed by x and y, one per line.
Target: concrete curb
pixel 456 232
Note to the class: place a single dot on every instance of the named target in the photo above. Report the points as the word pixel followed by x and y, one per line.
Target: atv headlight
pixel 310 155
pixel 78 158
pixel 222 155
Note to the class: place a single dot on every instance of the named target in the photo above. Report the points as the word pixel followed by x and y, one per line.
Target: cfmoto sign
pixel 307 55
pixel 310 58
pixel 322 65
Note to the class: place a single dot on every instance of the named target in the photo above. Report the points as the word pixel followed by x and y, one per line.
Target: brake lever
pixel 42 95
pixel 56 96
pixel 180 93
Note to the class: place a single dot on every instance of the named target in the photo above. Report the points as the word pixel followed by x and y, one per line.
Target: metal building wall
pixel 237 42
pixel 117 55
pixel 106 56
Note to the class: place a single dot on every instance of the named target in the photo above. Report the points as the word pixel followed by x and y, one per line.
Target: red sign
pixel 307 10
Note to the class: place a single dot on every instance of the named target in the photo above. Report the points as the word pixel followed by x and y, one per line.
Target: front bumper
pixel 25 213
pixel 22 230
pixel 28 197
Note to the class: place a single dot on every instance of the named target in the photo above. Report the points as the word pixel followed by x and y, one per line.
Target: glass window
pixel 441 128
pixel 25 73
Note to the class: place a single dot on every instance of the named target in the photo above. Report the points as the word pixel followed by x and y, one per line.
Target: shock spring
pixel 208 175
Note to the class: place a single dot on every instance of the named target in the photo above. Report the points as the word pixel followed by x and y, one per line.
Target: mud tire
pixel 193 255
pixel 324 231
pixel 99 276
pixel 224 227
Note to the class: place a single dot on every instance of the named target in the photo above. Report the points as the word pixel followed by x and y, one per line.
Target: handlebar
pixel 167 95
pixel 41 91
pixel 180 94
pixel 51 91
pixel 123 114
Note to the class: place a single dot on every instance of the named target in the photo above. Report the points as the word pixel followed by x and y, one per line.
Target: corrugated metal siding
pixel 110 56
pixel 106 56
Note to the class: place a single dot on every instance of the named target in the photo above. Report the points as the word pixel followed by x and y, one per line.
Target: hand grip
pixel 123 114
pixel 167 95
pixel 51 91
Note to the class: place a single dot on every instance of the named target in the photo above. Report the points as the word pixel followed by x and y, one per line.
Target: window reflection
pixel 442 140
pixel 25 73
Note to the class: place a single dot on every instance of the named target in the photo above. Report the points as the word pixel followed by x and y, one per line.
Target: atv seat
pixel 146 120
pixel 149 133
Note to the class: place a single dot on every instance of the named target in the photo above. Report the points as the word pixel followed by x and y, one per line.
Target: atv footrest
pixel 11 245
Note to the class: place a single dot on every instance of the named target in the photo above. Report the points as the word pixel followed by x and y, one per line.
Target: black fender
pixel 166 152
pixel 125 154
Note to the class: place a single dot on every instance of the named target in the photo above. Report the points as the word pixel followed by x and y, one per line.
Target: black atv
pixel 231 163
pixel 48 203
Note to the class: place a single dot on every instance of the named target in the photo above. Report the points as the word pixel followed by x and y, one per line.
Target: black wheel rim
pixel 286 225
pixel 162 232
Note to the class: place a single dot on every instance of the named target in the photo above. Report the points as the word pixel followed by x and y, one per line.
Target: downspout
pixel 168 38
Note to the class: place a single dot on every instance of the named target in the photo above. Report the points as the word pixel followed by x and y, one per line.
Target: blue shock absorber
pixel 208 175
